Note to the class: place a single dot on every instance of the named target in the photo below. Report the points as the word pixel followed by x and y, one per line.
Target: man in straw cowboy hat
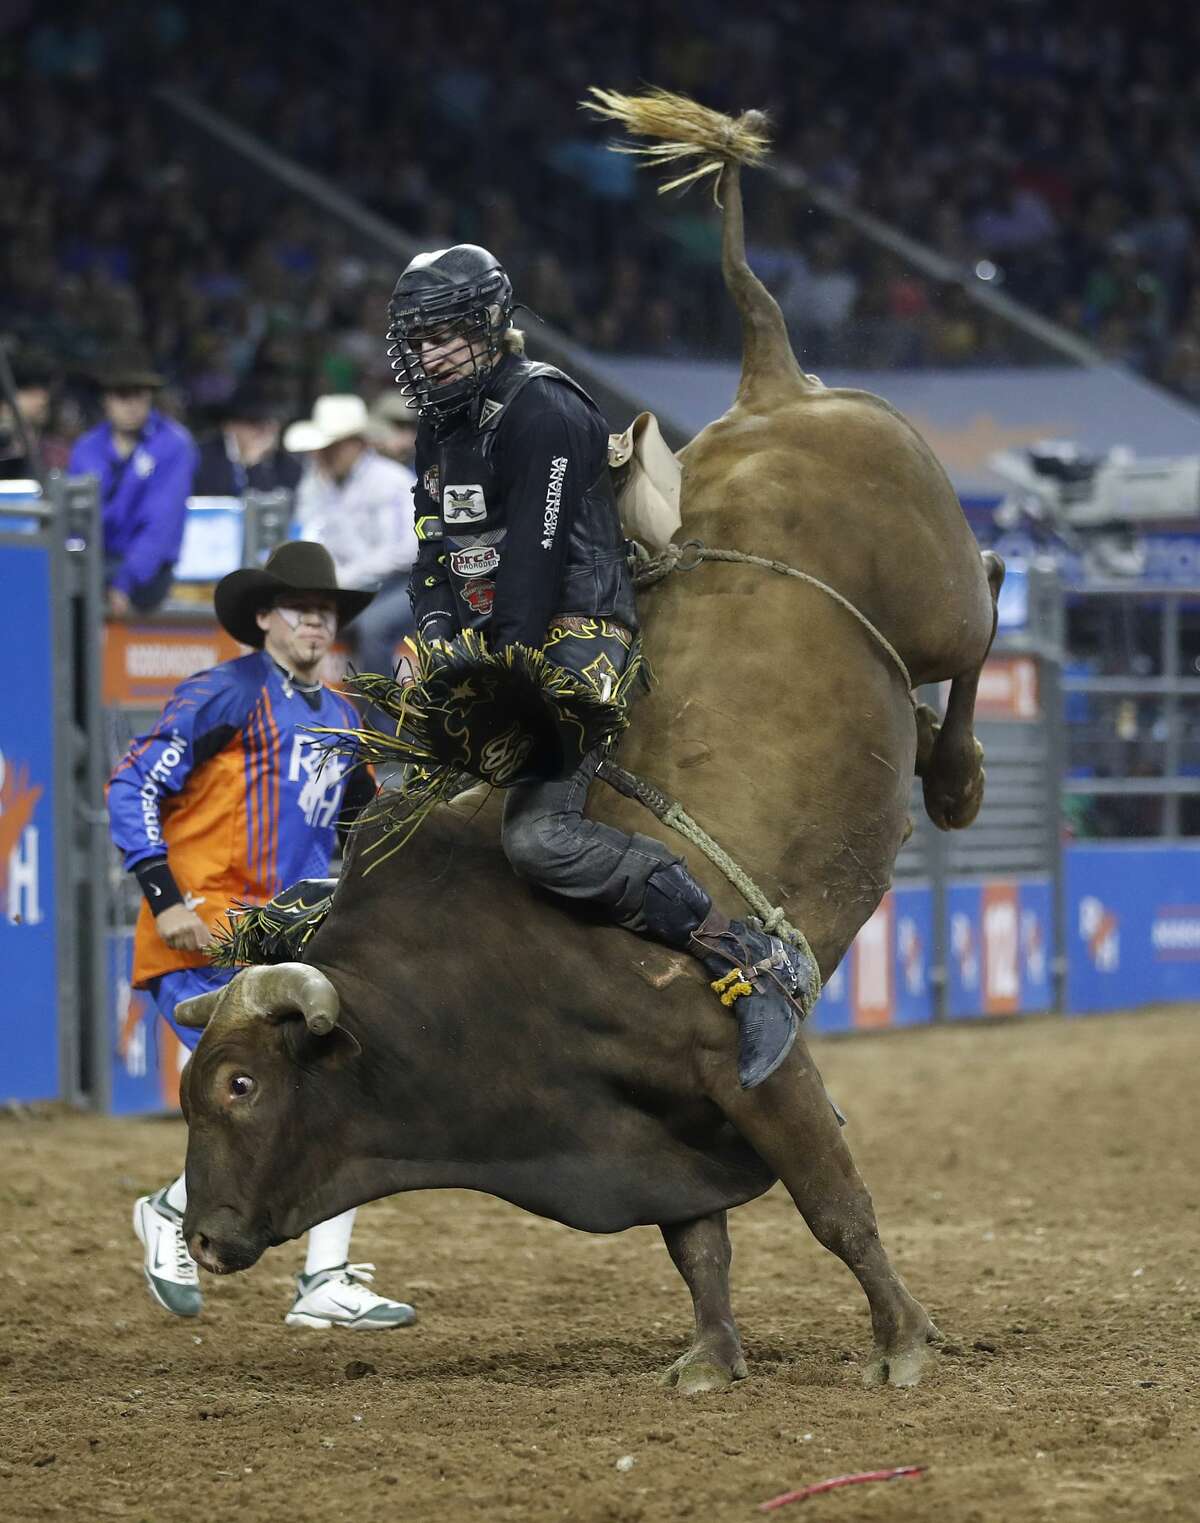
pixel 232 797
pixel 358 504
pixel 145 462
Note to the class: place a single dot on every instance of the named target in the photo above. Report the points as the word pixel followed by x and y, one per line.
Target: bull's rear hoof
pixel 691 1376
pixel 901 1367
pixel 954 806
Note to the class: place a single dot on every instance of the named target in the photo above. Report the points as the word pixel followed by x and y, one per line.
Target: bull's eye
pixel 241 1085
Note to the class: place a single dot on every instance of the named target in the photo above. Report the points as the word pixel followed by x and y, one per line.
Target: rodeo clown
pixel 231 797
pixel 520 540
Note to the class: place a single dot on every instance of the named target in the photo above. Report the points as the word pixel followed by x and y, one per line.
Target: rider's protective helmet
pixel 461 291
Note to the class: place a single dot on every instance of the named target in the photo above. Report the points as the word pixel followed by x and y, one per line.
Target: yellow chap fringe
pixel 429 781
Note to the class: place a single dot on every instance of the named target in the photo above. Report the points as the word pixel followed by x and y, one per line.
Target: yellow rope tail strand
pixel 731 987
pixel 690 131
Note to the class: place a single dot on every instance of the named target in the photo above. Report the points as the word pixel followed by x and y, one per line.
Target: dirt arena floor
pixel 1037 1184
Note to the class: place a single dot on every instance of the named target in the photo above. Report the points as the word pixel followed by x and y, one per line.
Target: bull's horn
pixel 198 1010
pixel 273 991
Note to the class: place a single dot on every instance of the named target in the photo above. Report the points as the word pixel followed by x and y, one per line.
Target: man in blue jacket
pixel 145 462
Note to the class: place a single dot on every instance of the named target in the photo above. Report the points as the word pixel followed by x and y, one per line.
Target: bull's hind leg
pixel 701 1253
pixel 949 758
pixel 790 1123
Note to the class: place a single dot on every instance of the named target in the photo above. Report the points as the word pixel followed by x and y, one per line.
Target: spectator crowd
pixel 1052 148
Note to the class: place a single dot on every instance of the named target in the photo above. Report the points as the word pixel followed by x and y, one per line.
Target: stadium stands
pixel 1056 145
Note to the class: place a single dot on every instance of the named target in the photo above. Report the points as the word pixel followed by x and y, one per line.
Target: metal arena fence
pixel 1022 913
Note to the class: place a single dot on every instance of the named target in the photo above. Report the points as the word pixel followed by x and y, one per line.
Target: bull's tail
pixel 721 144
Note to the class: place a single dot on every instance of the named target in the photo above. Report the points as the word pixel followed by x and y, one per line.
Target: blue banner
pixel 1133 925
pixel 884 979
pixel 29 1043
pixel 999 941
pixel 147 1056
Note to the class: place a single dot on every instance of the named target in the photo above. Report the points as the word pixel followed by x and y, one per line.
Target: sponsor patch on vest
pixel 430 482
pixel 489 410
pixel 463 505
pixel 479 595
pixel 480 560
pixel 558 469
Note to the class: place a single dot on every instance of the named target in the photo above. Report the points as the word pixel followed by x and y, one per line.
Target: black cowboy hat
pixel 298 565
pixel 33 370
pixel 128 370
pixel 253 402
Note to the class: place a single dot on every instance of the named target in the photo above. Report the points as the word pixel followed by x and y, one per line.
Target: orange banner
pixel 144 663
pixel 1008 689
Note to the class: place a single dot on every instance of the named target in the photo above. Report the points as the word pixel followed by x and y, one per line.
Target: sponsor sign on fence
pixel 884 980
pixel 999 946
pixel 29 1014
pixel 1133 925
pixel 144 663
pixel 998 939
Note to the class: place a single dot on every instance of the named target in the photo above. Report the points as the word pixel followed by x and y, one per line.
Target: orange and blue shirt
pixel 234 791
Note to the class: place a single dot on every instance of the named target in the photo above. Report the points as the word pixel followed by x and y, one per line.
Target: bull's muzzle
pixel 222 1244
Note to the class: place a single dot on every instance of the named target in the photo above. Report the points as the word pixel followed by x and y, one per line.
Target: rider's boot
pixel 758 976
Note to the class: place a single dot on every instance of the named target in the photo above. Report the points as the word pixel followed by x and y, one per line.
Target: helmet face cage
pixel 478 313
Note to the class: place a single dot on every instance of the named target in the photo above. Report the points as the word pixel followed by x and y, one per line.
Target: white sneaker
pixel 339 1297
pixel 170 1269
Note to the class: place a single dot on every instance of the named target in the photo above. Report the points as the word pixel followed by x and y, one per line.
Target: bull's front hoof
pixel 699 1371
pixel 903 1365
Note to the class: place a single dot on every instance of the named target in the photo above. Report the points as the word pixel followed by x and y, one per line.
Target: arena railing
pixel 1133 740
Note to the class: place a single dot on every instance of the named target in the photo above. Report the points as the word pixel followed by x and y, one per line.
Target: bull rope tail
pixel 672 814
pixel 722 144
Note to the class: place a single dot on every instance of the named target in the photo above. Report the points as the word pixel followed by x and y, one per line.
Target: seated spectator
pixel 145 462
pixel 246 454
pixel 359 506
pixel 21 453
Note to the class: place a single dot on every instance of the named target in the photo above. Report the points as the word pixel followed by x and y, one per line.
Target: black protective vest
pixel 595 576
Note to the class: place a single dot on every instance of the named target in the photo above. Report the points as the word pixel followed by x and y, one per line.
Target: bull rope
pixel 657 568
pixel 672 814
pixel 649 571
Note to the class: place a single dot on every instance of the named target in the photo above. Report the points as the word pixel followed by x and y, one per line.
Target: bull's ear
pixel 333 1050
pixel 198 1010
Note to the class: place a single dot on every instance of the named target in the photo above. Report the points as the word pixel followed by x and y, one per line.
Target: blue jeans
pixel 546 838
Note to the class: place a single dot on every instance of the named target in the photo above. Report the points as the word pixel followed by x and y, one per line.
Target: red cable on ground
pixel 840 1480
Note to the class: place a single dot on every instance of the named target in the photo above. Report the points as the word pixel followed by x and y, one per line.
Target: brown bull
pixel 460 1030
